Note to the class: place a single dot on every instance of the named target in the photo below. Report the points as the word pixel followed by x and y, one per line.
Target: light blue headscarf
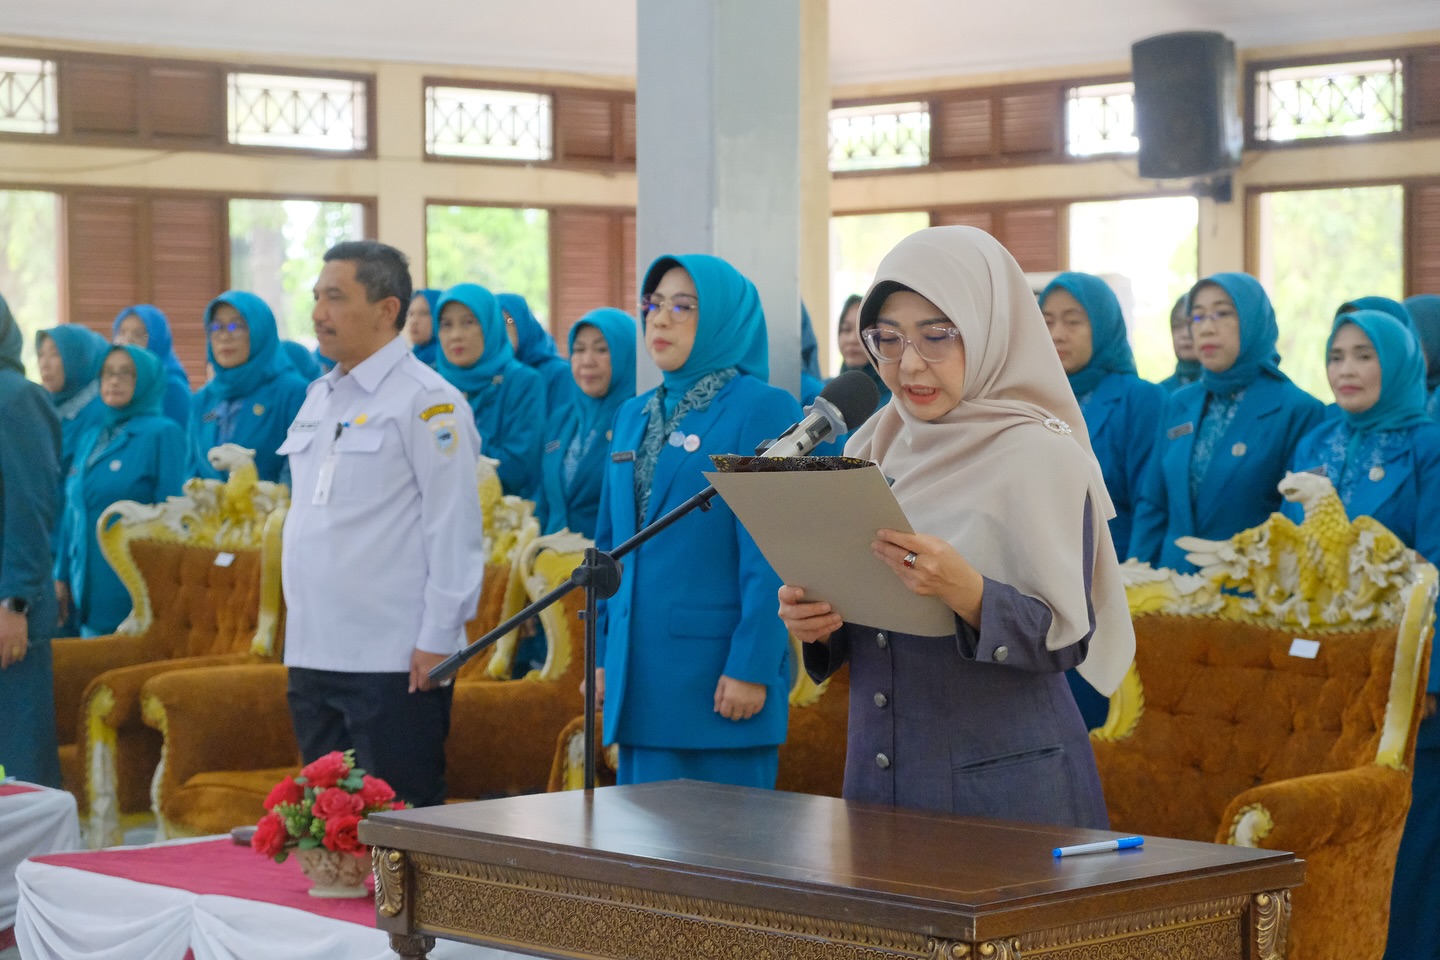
pixel 1395 308
pixel 267 360
pixel 731 322
pixel 302 360
pixel 1425 311
pixel 82 351
pixel 427 352
pixel 149 397
pixel 159 340
pixel 1402 373
pixel 809 346
pixel 497 352
pixel 1109 345
pixel 1258 334
pixel 618 329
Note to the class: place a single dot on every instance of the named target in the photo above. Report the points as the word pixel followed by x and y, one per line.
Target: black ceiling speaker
pixel 1186 108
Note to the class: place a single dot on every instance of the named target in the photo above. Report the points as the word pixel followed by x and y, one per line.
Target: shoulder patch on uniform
pixel 444 433
pixel 436 410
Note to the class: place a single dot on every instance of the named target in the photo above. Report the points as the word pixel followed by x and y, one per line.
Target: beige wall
pixel 400 180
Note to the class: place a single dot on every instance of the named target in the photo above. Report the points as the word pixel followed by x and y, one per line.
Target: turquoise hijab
pixel 1402 373
pixel 618 329
pixel 809 345
pixel 533 345
pixel 1258 334
pixel 159 340
pixel 1110 347
pixel 497 352
pixel 427 352
pixel 302 360
pixel 81 350
pixel 1425 311
pixel 12 341
pixel 731 322
pixel 1395 308
pixel 267 359
pixel 149 397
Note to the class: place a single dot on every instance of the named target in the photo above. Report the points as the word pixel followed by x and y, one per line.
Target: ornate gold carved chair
pixel 1273 703
pixel 812 758
pixel 203 572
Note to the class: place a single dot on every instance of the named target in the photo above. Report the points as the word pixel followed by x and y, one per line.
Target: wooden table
pixel 696 870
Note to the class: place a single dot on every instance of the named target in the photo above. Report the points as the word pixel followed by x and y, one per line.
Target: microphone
pixel 845 403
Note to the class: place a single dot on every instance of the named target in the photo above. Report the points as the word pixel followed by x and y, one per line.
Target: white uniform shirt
pixel 383 544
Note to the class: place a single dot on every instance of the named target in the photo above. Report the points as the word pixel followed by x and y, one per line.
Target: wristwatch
pixel 15 605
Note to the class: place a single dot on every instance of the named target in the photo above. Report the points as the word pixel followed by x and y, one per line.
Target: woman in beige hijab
pixel 990 459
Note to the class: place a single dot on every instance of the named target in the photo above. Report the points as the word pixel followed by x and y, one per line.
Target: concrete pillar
pixel 719 119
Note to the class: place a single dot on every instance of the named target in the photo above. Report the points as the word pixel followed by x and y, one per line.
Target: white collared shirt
pixel 383 546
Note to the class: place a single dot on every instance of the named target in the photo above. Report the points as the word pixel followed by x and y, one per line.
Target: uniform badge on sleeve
pixel 436 410
pixel 443 430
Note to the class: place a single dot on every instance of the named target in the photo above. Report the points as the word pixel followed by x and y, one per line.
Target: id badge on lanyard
pixel 327 471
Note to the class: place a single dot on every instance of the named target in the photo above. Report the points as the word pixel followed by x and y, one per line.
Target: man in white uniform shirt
pixel 382 549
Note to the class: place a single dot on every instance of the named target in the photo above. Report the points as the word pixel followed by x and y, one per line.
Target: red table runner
pixel 218 868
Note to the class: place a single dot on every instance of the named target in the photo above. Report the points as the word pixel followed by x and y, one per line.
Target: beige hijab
pixel 1004 476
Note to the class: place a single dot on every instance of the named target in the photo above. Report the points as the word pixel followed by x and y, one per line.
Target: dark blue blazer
pixel 1122 416
pixel 1239 489
pixel 698 601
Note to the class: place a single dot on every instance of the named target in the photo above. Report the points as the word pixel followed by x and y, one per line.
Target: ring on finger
pixel 910 559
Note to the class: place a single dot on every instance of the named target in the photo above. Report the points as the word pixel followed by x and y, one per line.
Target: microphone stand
pixel 599 574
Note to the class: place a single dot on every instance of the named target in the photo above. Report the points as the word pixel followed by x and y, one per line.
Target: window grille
pixel 28 102
pixel 298 112
pixel 488 124
pixel 1100 119
pixel 880 136
pixel 1328 100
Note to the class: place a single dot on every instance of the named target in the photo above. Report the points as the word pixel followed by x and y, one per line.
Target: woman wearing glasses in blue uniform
pixel 255 393
pixel 695 665
pixel 1224 442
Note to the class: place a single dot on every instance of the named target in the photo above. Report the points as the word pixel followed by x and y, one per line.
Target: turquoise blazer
pixel 575 506
pixel 1122 416
pixel 1239 489
pixel 698 601
pixel 260 424
pixel 144 462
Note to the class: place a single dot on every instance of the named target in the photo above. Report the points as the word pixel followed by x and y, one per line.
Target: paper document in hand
pixel 814 518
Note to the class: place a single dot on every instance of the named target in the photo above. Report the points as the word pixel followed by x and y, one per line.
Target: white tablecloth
pixel 32 823
pixel 68 913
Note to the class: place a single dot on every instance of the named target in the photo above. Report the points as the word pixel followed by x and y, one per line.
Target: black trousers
pixel 397 736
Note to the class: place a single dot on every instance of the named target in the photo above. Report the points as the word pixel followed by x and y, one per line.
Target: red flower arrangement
pixel 322 807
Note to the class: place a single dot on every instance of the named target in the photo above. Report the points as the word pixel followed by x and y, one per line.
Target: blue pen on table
pixel 1102 846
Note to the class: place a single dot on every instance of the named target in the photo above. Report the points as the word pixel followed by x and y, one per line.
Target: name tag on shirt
pixel 1175 433
pixel 304 426
pixel 624 456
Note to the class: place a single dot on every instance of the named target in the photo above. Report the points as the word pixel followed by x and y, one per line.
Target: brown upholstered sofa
pixel 203 571
pixel 1232 728
pixel 227 737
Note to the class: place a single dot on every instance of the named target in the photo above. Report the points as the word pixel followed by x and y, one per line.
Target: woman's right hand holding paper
pixel 809 622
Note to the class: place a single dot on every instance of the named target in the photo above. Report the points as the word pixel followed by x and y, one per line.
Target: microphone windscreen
pixel 855 395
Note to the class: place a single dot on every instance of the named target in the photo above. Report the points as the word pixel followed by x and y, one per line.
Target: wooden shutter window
pixel 186 103
pixel 1030 123
pixel 187 243
pixel 103 238
pixel 1422 90
pixel 584 268
pixel 1032 236
pixel 1422 245
pixel 101 97
pixel 584 127
pixel 962 127
pixel 981 219
pixel 629 295
pixel 627 130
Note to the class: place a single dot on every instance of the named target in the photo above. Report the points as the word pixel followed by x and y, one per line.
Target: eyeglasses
pixel 125 376
pixel 233 326
pixel 887 345
pixel 682 306
pixel 1220 315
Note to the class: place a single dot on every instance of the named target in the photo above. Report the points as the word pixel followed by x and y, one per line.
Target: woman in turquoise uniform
pixel 29 503
pixel 1383 455
pixel 135 453
pixel 422 326
pixel 254 394
pixel 1187 368
pixel 146 326
pixel 535 348
pixel 303 360
pixel 1121 411
pixel 695 664
pixel 506 397
pixel 602 357
pixel 1424 310
pixel 1224 442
